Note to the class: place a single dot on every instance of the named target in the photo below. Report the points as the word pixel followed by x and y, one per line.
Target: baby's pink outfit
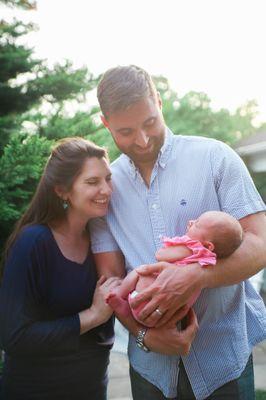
pixel 199 255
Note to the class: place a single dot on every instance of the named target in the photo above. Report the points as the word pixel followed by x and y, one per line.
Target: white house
pixel 253 151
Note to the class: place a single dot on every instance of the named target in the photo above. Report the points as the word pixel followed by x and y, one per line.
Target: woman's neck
pixel 71 227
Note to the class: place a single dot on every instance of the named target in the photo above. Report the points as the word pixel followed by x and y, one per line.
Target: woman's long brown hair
pixel 63 166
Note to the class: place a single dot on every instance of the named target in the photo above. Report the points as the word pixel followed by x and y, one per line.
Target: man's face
pixel 138 131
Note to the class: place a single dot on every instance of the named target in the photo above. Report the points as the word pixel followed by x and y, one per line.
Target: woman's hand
pixel 99 306
pixel 99 312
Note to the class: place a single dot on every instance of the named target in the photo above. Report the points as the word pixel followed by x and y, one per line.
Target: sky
pixel 213 46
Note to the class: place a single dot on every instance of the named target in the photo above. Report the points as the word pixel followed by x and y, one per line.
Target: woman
pixel 55 326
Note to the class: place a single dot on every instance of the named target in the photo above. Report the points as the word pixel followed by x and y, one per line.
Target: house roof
pixel 253 144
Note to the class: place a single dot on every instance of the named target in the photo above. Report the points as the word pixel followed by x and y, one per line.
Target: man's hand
pixel 170 291
pixel 169 340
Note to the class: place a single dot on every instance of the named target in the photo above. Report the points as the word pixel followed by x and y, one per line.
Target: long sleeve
pixel 24 327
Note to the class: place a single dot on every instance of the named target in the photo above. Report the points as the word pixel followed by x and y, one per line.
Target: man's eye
pixel 150 122
pixel 125 132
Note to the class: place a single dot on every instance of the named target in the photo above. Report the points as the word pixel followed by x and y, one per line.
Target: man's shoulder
pixel 185 144
pixel 196 140
pixel 120 166
pixel 120 160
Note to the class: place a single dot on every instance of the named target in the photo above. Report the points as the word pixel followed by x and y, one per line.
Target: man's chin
pixel 143 156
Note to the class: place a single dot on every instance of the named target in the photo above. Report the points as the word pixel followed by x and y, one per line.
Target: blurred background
pixel 206 57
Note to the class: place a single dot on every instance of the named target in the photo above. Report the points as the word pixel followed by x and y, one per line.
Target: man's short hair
pixel 122 86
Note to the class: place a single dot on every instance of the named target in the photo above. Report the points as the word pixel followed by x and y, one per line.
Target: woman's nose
pixel 106 188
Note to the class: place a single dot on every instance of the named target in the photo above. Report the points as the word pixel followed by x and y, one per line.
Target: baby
pixel 214 234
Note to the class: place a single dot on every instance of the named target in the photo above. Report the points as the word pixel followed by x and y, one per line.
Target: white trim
pixel 252 148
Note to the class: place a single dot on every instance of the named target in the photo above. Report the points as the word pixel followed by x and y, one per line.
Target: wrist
pixel 140 339
pixel 89 319
pixel 207 276
pixel 202 275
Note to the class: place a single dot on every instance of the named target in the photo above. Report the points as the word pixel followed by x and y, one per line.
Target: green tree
pixel 21 165
pixel 34 100
pixel 192 114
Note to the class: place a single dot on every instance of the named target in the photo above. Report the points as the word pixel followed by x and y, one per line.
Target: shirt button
pixel 154 206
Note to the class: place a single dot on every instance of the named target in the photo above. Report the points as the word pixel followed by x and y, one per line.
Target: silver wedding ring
pixel 159 312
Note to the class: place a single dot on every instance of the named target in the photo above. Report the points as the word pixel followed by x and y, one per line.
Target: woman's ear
pixel 61 193
pixel 208 245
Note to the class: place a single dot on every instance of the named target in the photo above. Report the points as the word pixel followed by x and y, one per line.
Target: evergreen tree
pixel 33 104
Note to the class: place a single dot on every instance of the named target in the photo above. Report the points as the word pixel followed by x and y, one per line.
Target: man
pixel 162 181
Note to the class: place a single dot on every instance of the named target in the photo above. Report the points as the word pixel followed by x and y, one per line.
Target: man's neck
pixel 145 170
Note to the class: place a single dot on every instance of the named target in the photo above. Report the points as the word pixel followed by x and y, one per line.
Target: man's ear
pixel 208 245
pixel 104 121
pixel 159 100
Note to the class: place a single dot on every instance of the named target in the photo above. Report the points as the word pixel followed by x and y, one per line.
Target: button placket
pixel 155 211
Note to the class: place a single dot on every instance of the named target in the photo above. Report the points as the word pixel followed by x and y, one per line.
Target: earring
pixel 65 204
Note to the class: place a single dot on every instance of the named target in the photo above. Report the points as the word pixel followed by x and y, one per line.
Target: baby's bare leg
pixel 118 298
pixel 128 285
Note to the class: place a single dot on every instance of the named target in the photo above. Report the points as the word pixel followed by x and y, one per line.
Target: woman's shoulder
pixel 32 235
pixel 32 243
pixel 35 231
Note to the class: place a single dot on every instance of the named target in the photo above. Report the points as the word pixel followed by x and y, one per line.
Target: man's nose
pixel 142 139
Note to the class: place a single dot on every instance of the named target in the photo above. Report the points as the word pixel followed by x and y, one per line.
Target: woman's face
pixel 91 191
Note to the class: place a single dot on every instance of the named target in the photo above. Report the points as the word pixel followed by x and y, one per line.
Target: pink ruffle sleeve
pixel 199 254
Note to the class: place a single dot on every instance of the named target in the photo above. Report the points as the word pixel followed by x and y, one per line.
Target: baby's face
pixel 198 229
pixel 194 230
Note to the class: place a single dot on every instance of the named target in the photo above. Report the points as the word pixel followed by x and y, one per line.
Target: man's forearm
pixel 166 339
pixel 129 323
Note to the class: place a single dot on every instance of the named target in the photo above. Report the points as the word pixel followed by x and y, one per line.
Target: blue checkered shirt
pixel 192 175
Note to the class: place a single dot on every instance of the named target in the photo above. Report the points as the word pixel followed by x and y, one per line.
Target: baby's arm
pixel 172 253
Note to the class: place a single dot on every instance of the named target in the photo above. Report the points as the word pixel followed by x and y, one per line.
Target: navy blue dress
pixel 40 297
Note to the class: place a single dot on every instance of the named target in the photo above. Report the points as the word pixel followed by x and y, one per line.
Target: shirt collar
pixel 166 148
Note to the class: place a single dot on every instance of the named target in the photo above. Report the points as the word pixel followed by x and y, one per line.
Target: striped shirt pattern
pixel 192 175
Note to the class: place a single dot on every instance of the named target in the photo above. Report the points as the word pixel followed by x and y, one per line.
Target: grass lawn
pixel 260 395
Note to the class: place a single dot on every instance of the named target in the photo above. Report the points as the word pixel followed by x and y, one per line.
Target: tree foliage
pixel 33 113
pixel 21 165
pixel 192 114
pixel 40 104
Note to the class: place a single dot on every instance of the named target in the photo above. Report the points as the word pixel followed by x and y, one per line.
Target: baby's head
pixel 218 231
